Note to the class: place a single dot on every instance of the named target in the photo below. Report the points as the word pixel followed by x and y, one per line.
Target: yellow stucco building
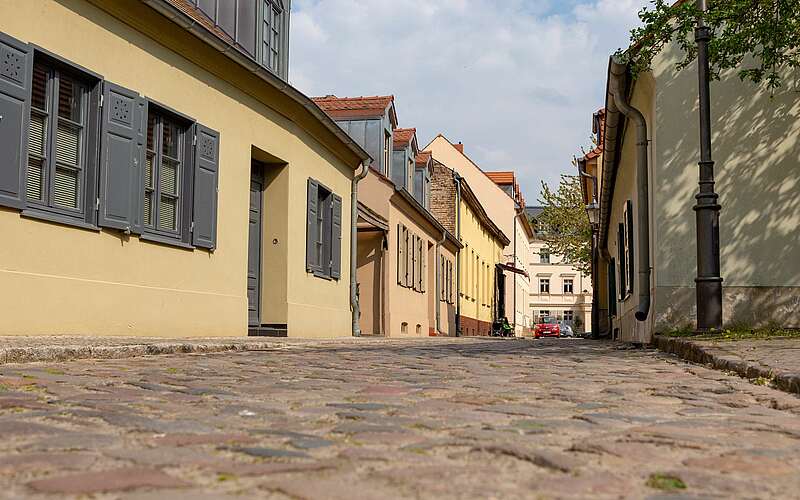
pixel 158 176
pixel 504 205
pixel 480 265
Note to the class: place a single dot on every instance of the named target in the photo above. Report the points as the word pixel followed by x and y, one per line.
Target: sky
pixel 516 81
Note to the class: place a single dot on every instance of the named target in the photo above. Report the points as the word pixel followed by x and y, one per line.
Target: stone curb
pixel 68 353
pixel 695 353
pixel 45 352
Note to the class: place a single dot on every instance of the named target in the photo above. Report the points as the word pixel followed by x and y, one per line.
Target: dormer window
pixel 271 35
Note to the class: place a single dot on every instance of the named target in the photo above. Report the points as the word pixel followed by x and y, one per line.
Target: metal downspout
pixel 618 71
pixel 438 295
pixel 354 305
pixel 457 181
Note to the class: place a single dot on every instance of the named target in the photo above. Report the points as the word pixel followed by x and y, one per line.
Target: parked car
pixel 547 327
pixel 566 330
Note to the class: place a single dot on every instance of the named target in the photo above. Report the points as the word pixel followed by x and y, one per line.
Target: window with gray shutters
pixel 324 232
pixel 77 144
pixel 61 125
pixel 164 174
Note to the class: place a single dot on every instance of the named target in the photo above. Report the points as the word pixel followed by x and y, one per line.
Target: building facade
pixel 516 254
pixel 480 265
pixel 405 256
pixel 648 250
pixel 558 289
pixel 155 168
pixel 502 210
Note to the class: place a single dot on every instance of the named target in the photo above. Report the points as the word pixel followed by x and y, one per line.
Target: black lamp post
pixel 593 211
pixel 708 281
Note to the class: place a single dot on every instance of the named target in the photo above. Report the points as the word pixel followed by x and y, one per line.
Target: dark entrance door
pixel 254 249
pixel 501 293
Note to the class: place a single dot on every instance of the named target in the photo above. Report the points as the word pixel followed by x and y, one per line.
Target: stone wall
pixel 443 197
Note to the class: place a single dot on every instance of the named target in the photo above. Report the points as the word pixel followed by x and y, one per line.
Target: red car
pixel 547 327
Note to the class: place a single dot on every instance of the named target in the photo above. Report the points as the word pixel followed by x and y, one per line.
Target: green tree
pixel 564 225
pixel 760 39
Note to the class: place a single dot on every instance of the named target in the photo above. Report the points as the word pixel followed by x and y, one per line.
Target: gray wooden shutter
pixel 311 226
pixel 122 158
pixel 413 273
pixel 630 259
pixel 400 256
pixel 612 288
pixel 336 239
pixel 16 73
pixel 423 265
pixel 450 282
pixel 409 259
pixel 206 182
pixel 621 258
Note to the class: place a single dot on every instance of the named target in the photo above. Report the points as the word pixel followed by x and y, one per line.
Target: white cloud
pixel 515 80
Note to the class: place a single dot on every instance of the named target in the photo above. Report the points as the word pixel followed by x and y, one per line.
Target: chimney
pixel 459 147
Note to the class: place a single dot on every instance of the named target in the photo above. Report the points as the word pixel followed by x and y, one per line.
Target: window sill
pixel 163 240
pixel 58 219
pixel 320 275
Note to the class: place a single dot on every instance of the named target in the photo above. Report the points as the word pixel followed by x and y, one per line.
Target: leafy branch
pixel 564 225
pixel 760 39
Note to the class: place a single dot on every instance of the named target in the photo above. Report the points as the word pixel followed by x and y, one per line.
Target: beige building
pixel 159 176
pixel 504 210
pixel 406 258
pixel 516 255
pixel 648 256
pixel 558 289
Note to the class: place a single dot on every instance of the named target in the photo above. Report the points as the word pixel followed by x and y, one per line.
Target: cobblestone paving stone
pixel 433 418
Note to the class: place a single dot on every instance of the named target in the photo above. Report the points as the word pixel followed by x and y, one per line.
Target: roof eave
pixel 186 22
pixel 613 135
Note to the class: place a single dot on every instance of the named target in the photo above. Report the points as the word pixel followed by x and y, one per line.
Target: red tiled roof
pixel 424 157
pixel 402 136
pixel 354 107
pixel 591 155
pixel 505 177
pixel 501 177
pixel 598 128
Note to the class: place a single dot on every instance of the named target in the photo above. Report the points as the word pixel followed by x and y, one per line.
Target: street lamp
pixel 593 211
pixel 708 282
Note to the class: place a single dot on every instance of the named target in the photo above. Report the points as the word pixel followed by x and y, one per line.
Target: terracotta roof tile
pixel 352 107
pixel 501 177
pixel 402 136
pixel 423 157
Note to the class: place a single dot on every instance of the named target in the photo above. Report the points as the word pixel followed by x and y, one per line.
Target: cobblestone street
pixel 432 418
